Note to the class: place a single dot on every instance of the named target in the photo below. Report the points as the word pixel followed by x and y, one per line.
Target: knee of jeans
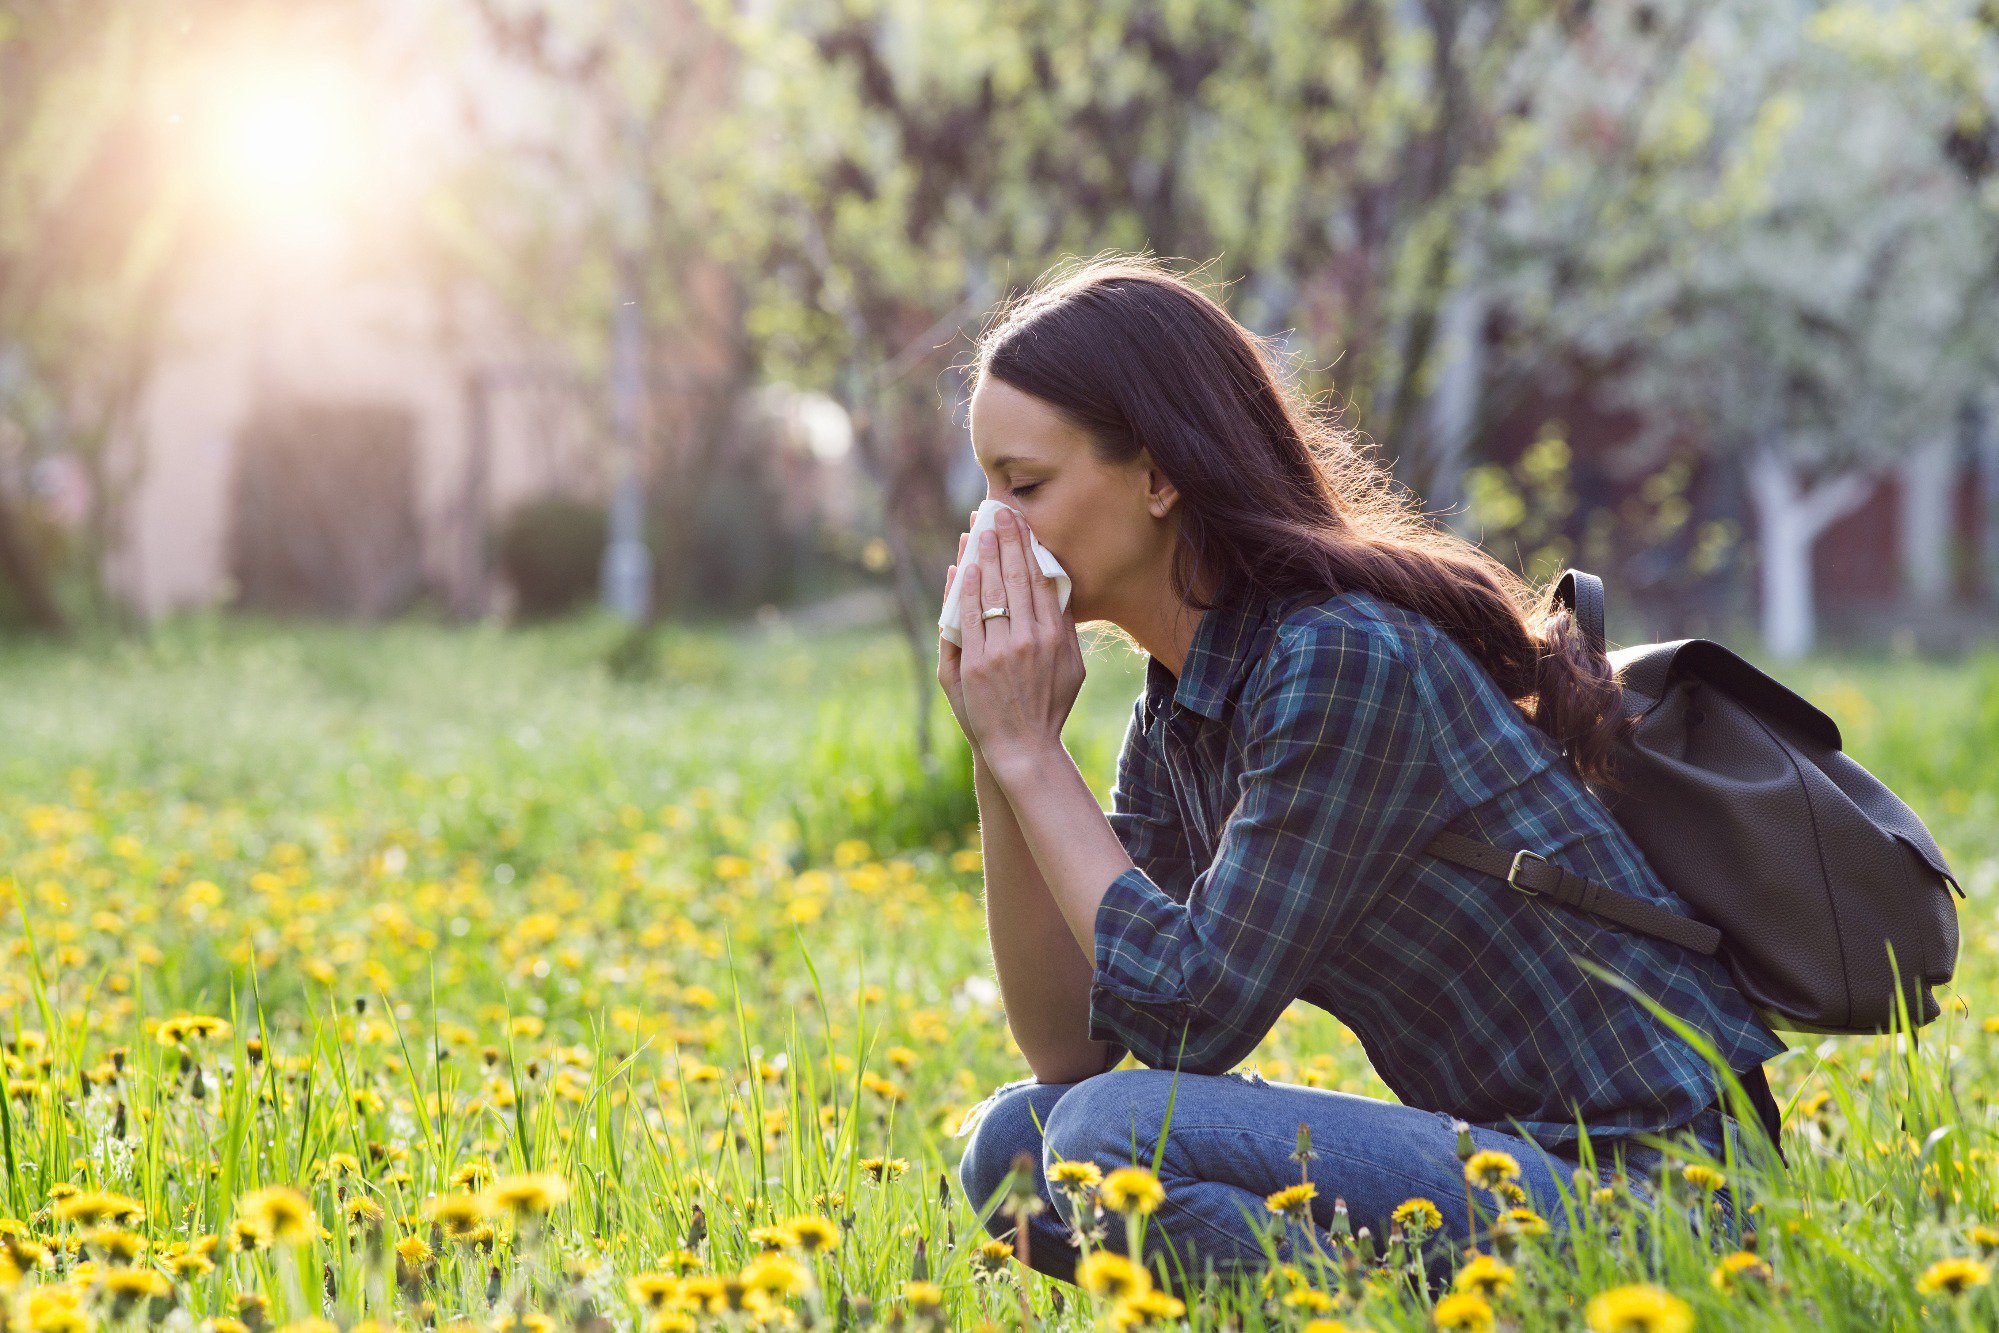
pixel 1005 1128
pixel 1102 1118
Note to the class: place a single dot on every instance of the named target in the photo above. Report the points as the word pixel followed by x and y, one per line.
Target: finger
pixel 1041 588
pixel 1014 564
pixel 970 626
pixel 947 651
pixel 992 582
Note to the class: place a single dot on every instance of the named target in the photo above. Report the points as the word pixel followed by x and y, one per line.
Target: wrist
pixel 1016 766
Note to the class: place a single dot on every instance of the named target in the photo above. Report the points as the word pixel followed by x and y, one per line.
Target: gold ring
pixel 992 611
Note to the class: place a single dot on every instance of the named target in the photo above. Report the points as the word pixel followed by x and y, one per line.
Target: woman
pixel 1330 680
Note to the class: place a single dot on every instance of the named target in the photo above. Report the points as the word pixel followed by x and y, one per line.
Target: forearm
pixel 1044 978
pixel 1067 834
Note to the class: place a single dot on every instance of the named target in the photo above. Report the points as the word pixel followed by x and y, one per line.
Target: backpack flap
pixel 1737 792
pixel 1649 667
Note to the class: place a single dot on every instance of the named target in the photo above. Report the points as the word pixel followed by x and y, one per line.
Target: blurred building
pixel 343 410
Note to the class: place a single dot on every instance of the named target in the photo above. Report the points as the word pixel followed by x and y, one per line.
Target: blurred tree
pixel 594 218
pixel 896 163
pixel 88 233
pixel 1772 228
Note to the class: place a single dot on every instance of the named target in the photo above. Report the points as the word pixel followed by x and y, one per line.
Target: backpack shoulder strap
pixel 1531 873
pixel 1583 595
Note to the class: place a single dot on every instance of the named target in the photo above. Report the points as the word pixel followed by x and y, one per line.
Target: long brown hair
pixel 1275 496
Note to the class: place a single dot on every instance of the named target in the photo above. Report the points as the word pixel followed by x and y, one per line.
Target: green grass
pixel 692 929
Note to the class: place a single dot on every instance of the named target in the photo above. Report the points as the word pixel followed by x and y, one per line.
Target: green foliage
pixel 1528 512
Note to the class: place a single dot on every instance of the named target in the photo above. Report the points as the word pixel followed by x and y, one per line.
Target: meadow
pixel 417 976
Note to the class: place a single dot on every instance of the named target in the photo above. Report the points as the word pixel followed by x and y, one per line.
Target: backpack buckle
pixel 1512 875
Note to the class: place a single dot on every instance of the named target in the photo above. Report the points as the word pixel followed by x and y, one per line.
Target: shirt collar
pixel 1226 643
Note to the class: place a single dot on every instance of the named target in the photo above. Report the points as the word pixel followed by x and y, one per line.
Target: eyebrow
pixel 1005 460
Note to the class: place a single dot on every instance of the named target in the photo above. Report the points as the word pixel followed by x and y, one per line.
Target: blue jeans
pixel 1230 1143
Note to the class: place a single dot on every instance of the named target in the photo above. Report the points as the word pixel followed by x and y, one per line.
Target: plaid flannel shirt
pixel 1275 800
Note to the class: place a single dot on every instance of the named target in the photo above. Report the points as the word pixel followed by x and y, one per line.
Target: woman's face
pixel 1103 522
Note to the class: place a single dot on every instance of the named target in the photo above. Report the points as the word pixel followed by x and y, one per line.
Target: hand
pixel 1018 674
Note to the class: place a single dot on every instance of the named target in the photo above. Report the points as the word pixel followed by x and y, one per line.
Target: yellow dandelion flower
pixel 1293 1200
pixel 923 1295
pixel 1520 1222
pixel 1489 1168
pixel 992 1256
pixel 1703 1177
pixel 95 1206
pixel 526 1322
pixel 1741 1266
pixel 116 1244
pixel 777 1275
pixel 1953 1277
pixel 812 1233
pixel 1133 1190
pixel 472 1175
pixel 1075 1177
pixel 189 1028
pixel 1146 1307
pixel 883 1168
pixel 1418 1214
pixel 20 1256
pixel 57 1308
pixel 1111 1275
pixel 128 1285
pixel 363 1212
pixel 654 1291
pixel 1484 1275
pixel 530 1195
pixel 1638 1308
pixel 704 1291
pixel 458 1214
pixel 773 1237
pixel 279 1213
pixel 1464 1312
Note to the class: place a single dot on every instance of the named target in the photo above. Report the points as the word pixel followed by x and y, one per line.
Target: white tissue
pixel 947 622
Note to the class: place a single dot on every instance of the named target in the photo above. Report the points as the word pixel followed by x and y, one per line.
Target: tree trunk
pixel 1926 475
pixel 1984 426
pixel 1789 520
pixel 22 569
pixel 1454 403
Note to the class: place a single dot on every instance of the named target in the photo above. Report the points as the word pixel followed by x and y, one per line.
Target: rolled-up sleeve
pixel 1336 781
pixel 1146 819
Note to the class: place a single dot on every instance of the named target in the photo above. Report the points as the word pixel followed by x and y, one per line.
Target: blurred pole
pixel 626 575
pixel 627 569
pixel 472 596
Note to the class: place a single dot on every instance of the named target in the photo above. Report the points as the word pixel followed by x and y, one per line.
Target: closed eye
pixel 1023 490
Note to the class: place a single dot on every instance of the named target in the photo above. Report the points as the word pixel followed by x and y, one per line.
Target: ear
pixel 1160 493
